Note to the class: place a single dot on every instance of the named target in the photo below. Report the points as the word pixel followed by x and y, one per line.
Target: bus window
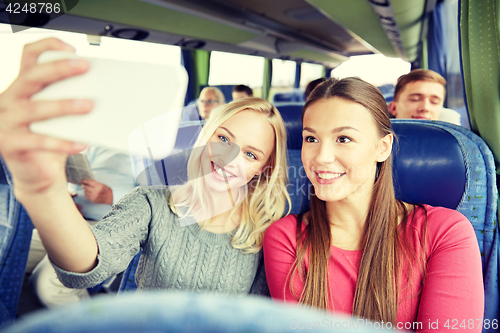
pixel 231 69
pixel 309 72
pixel 283 77
pixel 376 69
pixel 110 48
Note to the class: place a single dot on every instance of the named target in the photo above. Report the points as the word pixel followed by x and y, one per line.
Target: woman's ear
pixel 385 147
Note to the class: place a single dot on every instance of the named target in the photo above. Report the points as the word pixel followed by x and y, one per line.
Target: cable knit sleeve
pixel 119 235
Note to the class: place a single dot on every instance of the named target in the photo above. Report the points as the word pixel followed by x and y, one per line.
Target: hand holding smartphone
pixel 137 105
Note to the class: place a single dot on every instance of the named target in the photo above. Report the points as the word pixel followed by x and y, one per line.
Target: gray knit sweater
pixel 173 257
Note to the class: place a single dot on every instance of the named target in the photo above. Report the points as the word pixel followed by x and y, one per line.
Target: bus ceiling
pixel 327 32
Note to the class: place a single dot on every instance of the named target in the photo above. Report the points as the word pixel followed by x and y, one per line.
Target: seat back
pixel 15 238
pixel 387 91
pixel 190 113
pixel 442 164
pixel 292 117
pixel 152 173
pixel 296 95
pixel 128 278
pixel 184 312
pixel 298 186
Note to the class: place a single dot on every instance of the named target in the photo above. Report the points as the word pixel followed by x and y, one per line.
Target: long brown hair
pixel 377 290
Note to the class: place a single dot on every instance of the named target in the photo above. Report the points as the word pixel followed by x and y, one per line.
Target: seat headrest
pixel 190 113
pixel 428 164
pixel 172 170
pixel 186 136
pixel 292 117
pixel 296 95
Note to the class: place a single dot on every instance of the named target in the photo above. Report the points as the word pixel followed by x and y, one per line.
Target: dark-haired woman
pixel 359 250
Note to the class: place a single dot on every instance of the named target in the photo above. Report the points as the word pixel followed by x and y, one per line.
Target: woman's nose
pixel 326 154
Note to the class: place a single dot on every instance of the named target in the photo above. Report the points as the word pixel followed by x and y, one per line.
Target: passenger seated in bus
pixel 361 251
pixel 113 179
pixel 241 91
pixel 418 95
pixel 204 236
pixel 313 84
pixel 210 97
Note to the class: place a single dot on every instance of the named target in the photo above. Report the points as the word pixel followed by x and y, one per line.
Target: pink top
pixel 452 292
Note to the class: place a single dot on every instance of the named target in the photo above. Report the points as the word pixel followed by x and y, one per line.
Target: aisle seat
pixel 15 238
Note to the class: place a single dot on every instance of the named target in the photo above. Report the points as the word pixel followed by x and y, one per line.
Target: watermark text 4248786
pixel 33 7
pixel 22 14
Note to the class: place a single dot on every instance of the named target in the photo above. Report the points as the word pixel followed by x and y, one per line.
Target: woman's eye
pixel 343 139
pixel 223 139
pixel 251 155
pixel 310 139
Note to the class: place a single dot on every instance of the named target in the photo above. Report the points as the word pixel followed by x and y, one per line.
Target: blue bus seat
pixel 15 238
pixel 387 91
pixel 172 170
pixel 296 95
pixel 298 186
pixel 128 278
pixel 190 113
pixel 292 117
pixel 183 312
pixel 154 172
pixel 442 164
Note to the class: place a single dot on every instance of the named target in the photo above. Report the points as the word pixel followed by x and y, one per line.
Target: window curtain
pixel 480 47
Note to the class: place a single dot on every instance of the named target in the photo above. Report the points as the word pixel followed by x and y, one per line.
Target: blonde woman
pixel 205 235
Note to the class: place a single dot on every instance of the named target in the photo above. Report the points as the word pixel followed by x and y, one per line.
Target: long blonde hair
pixel 267 195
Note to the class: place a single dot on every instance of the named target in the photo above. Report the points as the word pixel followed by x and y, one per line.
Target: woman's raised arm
pixel 37 162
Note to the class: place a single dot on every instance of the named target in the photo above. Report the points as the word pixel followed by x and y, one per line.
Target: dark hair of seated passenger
pixel 243 88
pixel 313 84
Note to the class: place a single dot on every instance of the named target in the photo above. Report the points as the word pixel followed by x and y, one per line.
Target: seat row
pixel 434 162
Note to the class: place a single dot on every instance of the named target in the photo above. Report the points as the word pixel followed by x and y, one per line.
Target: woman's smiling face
pixel 238 150
pixel 341 148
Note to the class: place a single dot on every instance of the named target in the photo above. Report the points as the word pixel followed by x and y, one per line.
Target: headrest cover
pixel 428 165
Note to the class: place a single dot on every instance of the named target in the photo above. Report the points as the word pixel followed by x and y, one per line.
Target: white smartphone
pixel 137 105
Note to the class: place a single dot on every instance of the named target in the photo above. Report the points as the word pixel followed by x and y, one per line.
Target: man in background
pixel 210 97
pixel 419 95
pixel 241 91
pixel 313 84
